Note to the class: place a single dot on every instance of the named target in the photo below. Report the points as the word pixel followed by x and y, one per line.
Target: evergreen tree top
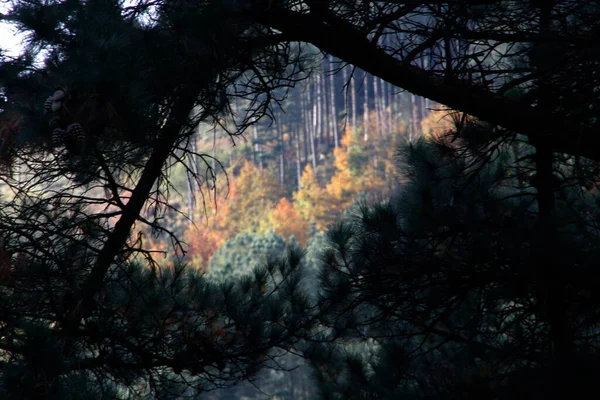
pixel 131 82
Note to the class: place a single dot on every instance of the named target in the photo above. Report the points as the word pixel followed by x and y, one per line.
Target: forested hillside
pixel 288 180
pixel 330 144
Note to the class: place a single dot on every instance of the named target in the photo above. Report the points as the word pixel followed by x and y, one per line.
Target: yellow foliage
pixel 254 194
pixel 343 187
pixel 439 122
pixel 351 171
pixel 312 201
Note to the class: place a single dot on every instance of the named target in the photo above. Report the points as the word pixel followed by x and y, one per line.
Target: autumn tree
pixel 287 221
pixel 312 201
pixel 254 193
pixel 351 166
pixel 363 168
pixel 205 237
pixel 243 206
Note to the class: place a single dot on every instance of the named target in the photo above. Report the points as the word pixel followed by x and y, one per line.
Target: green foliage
pixel 242 255
pixel 453 290
pixel 152 331
pixel 95 114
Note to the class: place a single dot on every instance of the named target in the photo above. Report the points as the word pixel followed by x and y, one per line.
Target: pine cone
pixel 76 136
pixel 60 94
pixel 76 132
pixel 58 137
pixel 48 105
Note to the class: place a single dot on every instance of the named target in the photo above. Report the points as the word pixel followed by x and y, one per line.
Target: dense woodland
pixel 300 199
pixel 285 186
pixel 297 173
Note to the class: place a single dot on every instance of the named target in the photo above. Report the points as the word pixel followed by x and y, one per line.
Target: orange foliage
pixel 287 221
pixel 205 237
pixel 246 208
pixel 203 242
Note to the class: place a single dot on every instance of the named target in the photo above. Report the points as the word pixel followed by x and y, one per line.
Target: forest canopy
pixel 464 270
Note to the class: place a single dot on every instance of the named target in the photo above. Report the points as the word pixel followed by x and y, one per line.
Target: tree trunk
pixel 414 127
pixel 281 151
pixel 298 163
pixel 257 148
pixel 304 105
pixel 353 99
pixel 366 108
pixel 384 110
pixel 392 104
pixel 192 183
pixel 318 115
pixel 313 130
pixel 345 94
pixel 332 109
pixel 325 131
pixel 377 102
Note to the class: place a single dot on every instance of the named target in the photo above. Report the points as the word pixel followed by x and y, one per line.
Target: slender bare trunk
pixel 318 115
pixel 393 113
pixel 377 102
pixel 257 148
pixel 304 105
pixel 353 99
pixel 345 94
pixel 313 132
pixel 281 151
pixel 332 110
pixel 298 163
pixel 325 131
pixel 390 102
pixel 414 128
pixel 192 183
pixel 383 106
pixel 366 108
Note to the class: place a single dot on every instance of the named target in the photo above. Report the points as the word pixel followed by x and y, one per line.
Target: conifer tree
pixel 241 255
pixel 96 110
pixel 459 287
